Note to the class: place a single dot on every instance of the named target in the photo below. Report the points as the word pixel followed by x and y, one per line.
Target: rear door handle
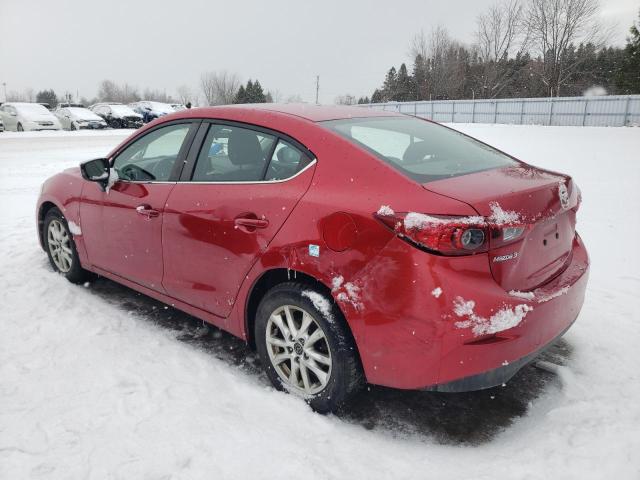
pixel 147 211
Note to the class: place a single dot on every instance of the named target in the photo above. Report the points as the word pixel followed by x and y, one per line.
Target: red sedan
pixel 345 245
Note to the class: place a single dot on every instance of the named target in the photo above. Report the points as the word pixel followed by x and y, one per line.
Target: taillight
pixel 446 235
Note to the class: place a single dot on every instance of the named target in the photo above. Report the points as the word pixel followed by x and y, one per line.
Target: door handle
pixel 147 211
pixel 251 223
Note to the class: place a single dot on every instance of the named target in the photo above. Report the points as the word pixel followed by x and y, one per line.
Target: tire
pixel 72 127
pixel 56 235
pixel 342 375
pixel 19 128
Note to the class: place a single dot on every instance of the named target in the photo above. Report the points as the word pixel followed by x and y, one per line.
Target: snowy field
pixel 99 382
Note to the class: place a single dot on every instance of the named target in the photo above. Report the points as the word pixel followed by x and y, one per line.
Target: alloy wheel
pixel 59 243
pixel 298 350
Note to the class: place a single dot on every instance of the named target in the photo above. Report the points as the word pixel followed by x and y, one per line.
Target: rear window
pixel 421 150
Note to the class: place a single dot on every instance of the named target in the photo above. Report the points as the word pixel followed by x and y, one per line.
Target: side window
pixel 286 161
pixel 233 154
pixel 152 157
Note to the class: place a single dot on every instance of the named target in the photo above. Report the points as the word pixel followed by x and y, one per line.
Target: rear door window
pixel 233 154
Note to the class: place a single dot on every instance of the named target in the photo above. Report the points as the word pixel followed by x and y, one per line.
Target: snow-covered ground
pixel 100 382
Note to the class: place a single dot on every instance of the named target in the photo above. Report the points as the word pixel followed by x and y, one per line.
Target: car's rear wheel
pixel 73 126
pixel 20 129
pixel 305 346
pixel 61 249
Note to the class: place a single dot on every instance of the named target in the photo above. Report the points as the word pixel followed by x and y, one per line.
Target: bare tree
pixel 185 94
pixel 419 45
pixel 555 25
pixel 446 69
pixel 501 33
pixel 219 88
pixel 30 94
pixel 14 96
pixel 295 98
pixel 347 99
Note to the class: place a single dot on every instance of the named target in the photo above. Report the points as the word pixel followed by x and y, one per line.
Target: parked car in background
pixel 1 125
pixel 18 116
pixel 428 260
pixel 178 106
pixel 62 105
pixel 151 110
pixel 77 118
pixel 117 115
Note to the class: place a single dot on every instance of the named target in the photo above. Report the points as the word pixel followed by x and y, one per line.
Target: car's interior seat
pixel 246 153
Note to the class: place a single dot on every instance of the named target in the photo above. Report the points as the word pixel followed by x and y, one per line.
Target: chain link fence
pixel 604 111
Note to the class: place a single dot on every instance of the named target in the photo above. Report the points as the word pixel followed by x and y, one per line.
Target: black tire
pixel 345 377
pixel 75 273
pixel 19 128
pixel 72 127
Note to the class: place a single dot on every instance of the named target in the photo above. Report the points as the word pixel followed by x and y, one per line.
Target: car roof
pixel 312 112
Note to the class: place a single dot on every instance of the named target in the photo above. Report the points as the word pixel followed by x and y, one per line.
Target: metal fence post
pixel 473 111
pixel 550 111
pixel 495 111
pixel 521 111
pixel 415 109
pixel 626 111
pixel 453 112
pixel 584 111
pixel 431 111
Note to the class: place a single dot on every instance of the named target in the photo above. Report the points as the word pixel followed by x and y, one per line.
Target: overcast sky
pixel 74 44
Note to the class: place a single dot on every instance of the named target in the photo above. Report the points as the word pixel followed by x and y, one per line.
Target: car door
pixel 122 227
pixel 223 212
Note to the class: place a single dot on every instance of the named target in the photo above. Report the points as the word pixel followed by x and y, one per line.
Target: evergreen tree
pixel 258 95
pixel 403 86
pixel 241 96
pixel 47 96
pixel 420 76
pixel 377 97
pixel 389 86
pixel 627 77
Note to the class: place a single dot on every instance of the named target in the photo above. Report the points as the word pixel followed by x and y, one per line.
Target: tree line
pixel 523 48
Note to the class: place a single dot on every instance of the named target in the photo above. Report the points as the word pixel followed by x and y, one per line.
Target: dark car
pixel 117 115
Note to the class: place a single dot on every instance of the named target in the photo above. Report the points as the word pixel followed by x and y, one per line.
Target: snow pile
pixel 504 319
pixel 502 217
pixel 436 292
pixel 320 302
pixel 563 194
pixel 540 295
pixel 420 221
pixel 74 228
pixel 386 211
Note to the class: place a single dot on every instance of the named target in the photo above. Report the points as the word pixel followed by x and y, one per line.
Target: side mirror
pixel 13 114
pixel 96 171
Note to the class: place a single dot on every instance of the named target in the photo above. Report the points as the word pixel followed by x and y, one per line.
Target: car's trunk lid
pixel 541 201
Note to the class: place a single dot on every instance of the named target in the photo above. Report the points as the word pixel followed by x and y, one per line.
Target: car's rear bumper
pixel 492 378
pixel 416 340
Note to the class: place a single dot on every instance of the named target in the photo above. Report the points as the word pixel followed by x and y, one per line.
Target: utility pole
pixel 317 87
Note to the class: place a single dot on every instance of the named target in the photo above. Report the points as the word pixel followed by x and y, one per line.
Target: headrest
pixel 244 147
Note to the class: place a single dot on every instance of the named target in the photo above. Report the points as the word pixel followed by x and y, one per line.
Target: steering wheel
pixel 133 172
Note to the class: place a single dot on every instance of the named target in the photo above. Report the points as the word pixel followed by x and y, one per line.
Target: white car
pixel 1 125
pixel 79 118
pixel 28 117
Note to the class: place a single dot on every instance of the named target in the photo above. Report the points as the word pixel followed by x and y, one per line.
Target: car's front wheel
pixel 305 346
pixel 61 249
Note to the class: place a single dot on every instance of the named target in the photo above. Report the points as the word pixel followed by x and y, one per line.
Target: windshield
pixel 123 110
pixel 83 113
pixel 32 109
pixel 421 150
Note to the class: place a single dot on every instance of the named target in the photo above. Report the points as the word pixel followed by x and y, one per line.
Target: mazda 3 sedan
pixel 345 245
